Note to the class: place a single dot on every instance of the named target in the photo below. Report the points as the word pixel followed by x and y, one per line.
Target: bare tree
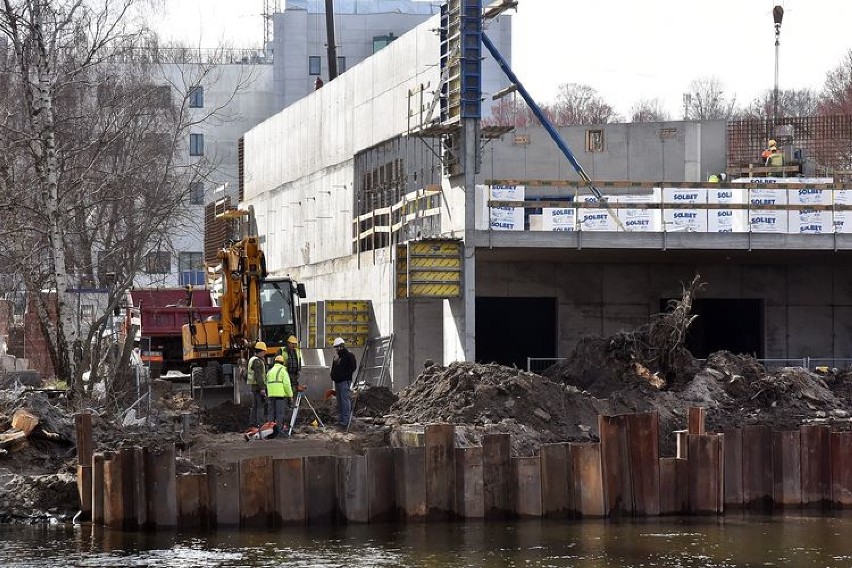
pixel 791 102
pixel 706 100
pixel 90 176
pixel 836 96
pixel 581 104
pixel 649 110
pixel 510 112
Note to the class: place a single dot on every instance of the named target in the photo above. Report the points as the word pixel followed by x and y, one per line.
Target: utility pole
pixel 332 48
pixel 777 16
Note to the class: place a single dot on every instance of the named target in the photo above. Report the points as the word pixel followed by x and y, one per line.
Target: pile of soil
pixel 374 402
pixel 226 418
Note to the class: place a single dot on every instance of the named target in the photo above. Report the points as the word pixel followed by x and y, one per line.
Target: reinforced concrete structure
pixel 341 177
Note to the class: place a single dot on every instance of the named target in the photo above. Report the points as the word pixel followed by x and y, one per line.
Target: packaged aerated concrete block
pixel 689 220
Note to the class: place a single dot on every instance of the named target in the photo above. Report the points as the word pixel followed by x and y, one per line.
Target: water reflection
pixel 732 541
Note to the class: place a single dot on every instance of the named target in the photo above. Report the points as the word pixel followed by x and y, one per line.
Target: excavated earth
pixel 563 404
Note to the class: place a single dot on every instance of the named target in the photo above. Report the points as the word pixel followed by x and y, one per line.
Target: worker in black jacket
pixel 343 366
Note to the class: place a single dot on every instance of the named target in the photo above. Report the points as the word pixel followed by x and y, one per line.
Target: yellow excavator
pixel 254 308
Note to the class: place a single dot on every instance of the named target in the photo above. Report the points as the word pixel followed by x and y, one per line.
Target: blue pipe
pixel 560 143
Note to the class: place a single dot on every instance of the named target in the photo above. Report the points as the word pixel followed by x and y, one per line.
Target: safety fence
pixel 622 474
pixel 765 205
pixel 540 365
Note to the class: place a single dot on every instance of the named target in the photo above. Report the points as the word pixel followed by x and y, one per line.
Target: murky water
pixel 732 541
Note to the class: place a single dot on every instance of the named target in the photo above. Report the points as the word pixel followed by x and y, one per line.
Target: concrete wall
pixel 807 306
pixel 634 151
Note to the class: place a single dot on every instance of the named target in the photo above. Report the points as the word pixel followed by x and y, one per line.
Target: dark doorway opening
pixel 735 325
pixel 508 330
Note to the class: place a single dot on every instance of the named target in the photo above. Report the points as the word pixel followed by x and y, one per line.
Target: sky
pixel 625 49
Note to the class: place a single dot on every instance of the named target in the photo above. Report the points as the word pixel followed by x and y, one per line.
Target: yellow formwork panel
pixel 328 319
pixel 433 269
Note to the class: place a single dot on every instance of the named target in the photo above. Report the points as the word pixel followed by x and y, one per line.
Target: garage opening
pixel 508 330
pixel 732 324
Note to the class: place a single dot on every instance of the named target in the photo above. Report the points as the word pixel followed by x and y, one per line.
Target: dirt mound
pixel 226 418
pixel 374 402
pixel 482 395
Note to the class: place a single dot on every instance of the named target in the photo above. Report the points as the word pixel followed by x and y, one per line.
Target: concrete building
pixel 325 169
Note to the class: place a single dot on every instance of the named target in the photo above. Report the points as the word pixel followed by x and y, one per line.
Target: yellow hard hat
pixel 772 143
pixel 279 359
pixel 292 339
pixel 260 346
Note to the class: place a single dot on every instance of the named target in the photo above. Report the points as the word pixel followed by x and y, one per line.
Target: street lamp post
pixel 777 16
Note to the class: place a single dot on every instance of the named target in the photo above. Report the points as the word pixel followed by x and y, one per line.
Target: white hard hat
pixel 338 341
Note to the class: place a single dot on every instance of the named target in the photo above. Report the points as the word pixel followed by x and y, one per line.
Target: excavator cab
pixel 278 318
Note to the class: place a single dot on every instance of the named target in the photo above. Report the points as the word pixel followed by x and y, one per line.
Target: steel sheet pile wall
pixel 622 475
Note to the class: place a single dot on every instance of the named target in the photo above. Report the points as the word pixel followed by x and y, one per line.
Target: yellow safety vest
pixel 250 378
pixel 776 160
pixel 278 382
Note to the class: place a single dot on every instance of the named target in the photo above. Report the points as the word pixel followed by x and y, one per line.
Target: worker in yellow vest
pixel 775 159
pixel 256 379
pixel 279 391
pixel 293 361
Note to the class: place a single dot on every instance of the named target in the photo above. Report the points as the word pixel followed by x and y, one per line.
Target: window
pixel 341 64
pixel 196 144
pixel 196 97
pixel 314 65
pixel 594 141
pixel 191 267
pixel 158 262
pixel 380 42
pixel 196 193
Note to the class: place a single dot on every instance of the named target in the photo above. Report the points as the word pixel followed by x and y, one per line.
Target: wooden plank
pixel 841 469
pixel 224 493
pixel 705 474
pixel 528 486
pixel 758 479
pixel 470 501
pixel 697 419
pixel 439 442
pixel 787 483
pixel 321 489
pixel 352 502
pixel 289 482
pixel 381 503
pixel 674 478
pixel 98 489
pixel 160 480
pixel 410 468
pixel 83 433
pixel 498 487
pixel 733 496
pixel 557 495
pixel 26 421
pixel 256 492
pixel 588 479
pixel 615 456
pixel 644 465
pixel 816 466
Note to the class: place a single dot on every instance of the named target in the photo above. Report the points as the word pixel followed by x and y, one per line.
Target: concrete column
pixel 440 443
pixel 256 492
pixel 320 489
pixel 98 489
pixel 469 490
pixel 692 152
pixel 816 465
pixel 352 499
pixel 410 469
pixel 734 468
pixel 841 469
pixel 757 467
pixel 223 492
pixel 497 476
pixel 381 503
pixel 787 470
pixel 557 481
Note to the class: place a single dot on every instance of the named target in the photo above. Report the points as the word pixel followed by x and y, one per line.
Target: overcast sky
pixel 626 49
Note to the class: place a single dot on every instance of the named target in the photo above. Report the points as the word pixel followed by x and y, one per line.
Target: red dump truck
pixel 160 313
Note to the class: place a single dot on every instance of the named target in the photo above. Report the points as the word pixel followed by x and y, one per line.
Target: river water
pixel 706 542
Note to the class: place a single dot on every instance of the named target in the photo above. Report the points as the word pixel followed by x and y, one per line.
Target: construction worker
pixel 256 379
pixel 279 391
pixel 293 361
pixel 342 367
pixel 775 159
pixel 768 152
